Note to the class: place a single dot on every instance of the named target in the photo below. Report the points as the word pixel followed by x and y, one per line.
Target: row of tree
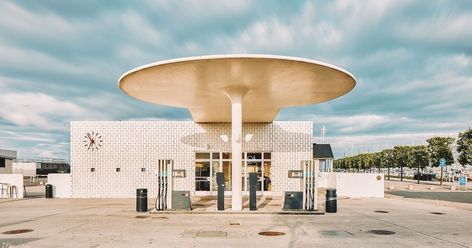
pixel 419 156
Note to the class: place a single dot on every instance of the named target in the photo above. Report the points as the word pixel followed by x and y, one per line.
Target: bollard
pixel 220 181
pixel 252 191
pixel 331 201
pixel 49 191
pixel 141 200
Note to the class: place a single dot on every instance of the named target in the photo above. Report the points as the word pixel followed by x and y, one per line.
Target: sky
pixel 60 61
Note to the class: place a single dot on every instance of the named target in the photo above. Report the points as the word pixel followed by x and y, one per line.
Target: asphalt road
pixel 463 197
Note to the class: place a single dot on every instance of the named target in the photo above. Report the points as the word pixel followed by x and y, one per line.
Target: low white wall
pixel 353 184
pixel 61 184
pixel 327 180
pixel 13 179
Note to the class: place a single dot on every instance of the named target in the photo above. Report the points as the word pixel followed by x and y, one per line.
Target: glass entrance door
pixel 254 166
pixel 208 164
pixel 202 176
pixel 227 172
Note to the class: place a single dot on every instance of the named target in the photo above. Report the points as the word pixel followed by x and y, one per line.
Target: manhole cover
pixel 438 213
pixel 381 211
pixel 18 231
pixel 381 232
pixel 141 217
pixel 272 233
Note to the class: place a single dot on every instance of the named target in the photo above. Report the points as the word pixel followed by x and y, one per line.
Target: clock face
pixel 92 141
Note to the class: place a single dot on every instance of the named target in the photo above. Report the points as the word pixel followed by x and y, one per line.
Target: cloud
pixel 349 124
pixel 61 62
pixel 38 110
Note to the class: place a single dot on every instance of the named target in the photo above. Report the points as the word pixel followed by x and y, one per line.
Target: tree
pixel 464 147
pixel 419 158
pixel 378 160
pixel 440 147
pixel 387 160
pixel 401 157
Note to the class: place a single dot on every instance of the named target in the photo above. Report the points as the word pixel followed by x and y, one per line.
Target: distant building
pixel 7 157
pixel 324 154
pixel 40 166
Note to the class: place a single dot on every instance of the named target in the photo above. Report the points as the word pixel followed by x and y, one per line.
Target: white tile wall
pixel 132 145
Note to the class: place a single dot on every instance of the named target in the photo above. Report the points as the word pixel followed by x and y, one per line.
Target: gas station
pixel 233 147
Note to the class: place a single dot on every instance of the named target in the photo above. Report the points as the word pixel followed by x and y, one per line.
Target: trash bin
pixel 331 202
pixel 49 191
pixel 141 200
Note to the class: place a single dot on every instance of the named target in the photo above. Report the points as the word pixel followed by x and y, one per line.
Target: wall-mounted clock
pixel 92 141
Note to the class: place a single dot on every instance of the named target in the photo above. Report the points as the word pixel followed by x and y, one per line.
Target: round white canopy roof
pixel 201 84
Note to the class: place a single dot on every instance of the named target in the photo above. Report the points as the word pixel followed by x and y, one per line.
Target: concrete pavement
pixel 113 223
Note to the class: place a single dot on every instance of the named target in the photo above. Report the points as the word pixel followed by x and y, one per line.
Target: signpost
pixel 463 181
pixel 442 164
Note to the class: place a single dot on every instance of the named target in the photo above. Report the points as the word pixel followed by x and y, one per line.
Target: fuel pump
pixel 164 184
pixel 309 185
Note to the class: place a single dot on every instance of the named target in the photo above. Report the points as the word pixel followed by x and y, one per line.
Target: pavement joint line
pixel 411 230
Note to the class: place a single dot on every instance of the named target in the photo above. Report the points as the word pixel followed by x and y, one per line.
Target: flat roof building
pixel 233 100
pixel 7 157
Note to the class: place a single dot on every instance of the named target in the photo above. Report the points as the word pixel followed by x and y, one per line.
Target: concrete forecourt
pixel 114 223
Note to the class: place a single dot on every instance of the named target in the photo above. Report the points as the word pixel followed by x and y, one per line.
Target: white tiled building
pixel 127 155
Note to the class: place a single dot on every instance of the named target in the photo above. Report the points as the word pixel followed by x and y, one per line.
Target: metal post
pixel 304 183
pixel 440 183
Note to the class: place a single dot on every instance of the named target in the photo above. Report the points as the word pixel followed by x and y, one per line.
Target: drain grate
pixel 335 233
pixel 234 224
pixel 18 231
pixel 381 232
pixel 381 211
pixel 141 217
pixel 437 213
pixel 272 233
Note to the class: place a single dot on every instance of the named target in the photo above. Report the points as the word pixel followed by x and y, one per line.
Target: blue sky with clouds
pixel 60 61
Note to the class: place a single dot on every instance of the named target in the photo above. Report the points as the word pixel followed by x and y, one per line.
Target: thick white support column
pixel 236 96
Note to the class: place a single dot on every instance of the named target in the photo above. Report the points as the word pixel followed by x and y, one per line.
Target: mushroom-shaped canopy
pixel 204 84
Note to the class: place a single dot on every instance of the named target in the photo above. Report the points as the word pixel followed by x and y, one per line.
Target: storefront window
pixel 226 155
pixel 208 164
pixel 200 155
